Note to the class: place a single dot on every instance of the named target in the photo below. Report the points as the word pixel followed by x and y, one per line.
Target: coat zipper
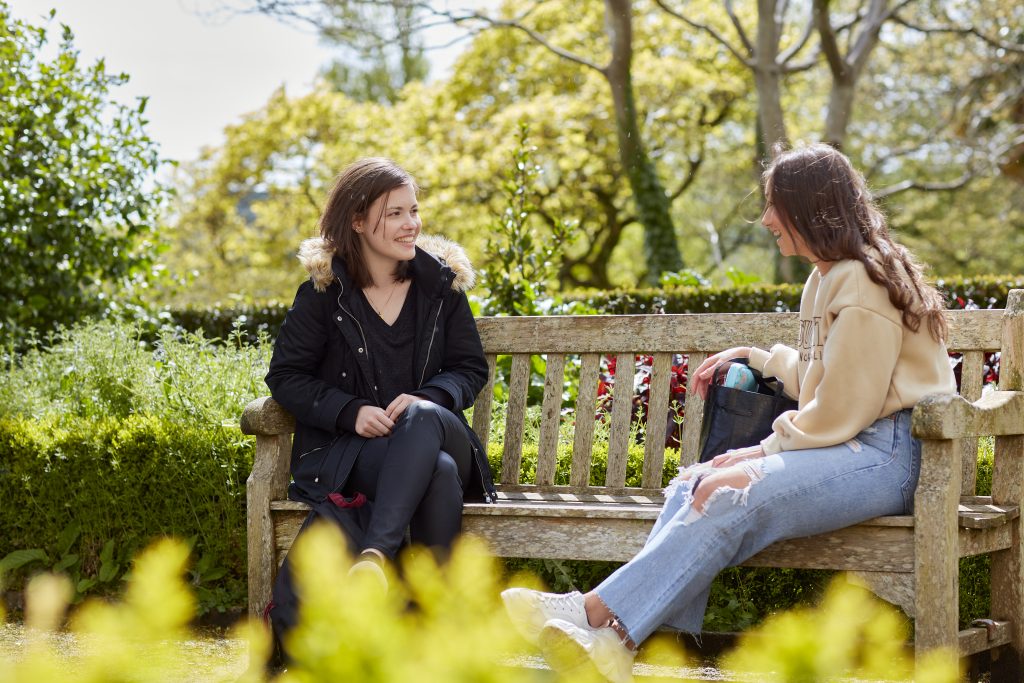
pixel 361 333
pixel 433 332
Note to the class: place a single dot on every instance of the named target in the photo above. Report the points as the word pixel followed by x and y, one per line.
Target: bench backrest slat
pixel 586 405
pixel 482 406
pixel 551 412
pixel 518 390
pixel 622 409
pixel 694 406
pixel 585 339
pixel 654 438
pixel 971 381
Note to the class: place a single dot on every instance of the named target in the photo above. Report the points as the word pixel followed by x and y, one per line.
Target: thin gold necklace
pixel 380 311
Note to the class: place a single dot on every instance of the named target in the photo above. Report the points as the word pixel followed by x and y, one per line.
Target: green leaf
pixel 66 562
pixel 20 558
pixel 107 554
pixel 84 585
pixel 213 574
pixel 108 572
pixel 68 537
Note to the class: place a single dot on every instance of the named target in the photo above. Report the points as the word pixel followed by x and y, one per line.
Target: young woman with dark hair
pixel 870 345
pixel 376 359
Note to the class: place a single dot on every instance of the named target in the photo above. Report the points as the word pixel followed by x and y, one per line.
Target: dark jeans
pixel 415 478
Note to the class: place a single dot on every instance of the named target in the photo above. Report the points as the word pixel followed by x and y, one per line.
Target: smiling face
pixel 789 241
pixel 389 228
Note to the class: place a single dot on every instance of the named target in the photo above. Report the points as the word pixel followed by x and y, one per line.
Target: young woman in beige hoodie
pixel 870 345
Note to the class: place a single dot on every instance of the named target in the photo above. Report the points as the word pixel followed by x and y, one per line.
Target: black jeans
pixel 415 478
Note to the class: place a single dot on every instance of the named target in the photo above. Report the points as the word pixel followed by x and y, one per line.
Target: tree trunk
pixel 661 251
pixel 840 111
pixel 768 75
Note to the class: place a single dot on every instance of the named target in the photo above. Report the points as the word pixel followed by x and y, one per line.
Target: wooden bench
pixel 909 560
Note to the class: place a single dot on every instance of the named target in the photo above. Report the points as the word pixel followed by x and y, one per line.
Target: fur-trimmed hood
pixel 316 255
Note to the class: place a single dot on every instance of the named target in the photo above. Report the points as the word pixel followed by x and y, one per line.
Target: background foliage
pixel 77 197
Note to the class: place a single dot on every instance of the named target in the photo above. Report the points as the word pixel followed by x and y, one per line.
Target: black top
pixel 391 349
pixel 391 346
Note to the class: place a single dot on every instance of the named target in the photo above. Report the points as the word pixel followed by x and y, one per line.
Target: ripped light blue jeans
pixel 790 494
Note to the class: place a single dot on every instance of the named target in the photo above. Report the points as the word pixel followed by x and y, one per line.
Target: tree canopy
pixel 931 118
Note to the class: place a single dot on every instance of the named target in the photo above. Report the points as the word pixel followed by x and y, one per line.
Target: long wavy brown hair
pixel 818 193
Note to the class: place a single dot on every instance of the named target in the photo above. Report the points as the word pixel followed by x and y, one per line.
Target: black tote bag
pixel 734 418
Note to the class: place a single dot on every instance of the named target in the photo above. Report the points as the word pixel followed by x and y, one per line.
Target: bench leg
pixel 936 556
pixel 268 481
pixel 1008 565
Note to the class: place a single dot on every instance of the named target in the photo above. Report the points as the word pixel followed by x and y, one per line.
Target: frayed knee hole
pixel 736 480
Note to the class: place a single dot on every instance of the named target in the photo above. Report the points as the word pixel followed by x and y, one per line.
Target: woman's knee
pixel 423 410
pixel 737 479
pixel 446 469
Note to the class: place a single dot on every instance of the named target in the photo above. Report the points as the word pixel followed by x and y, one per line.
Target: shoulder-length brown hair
pixel 821 196
pixel 355 189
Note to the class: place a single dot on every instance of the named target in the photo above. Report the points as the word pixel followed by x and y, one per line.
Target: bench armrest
pixel 949 416
pixel 266 417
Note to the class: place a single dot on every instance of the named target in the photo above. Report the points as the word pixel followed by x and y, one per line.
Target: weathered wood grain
pixel 971 379
pixel 265 417
pixel 863 548
pixel 586 404
pixel 268 481
pixel 682 333
pixel 949 416
pixel 983 541
pixel 482 406
pixel 550 419
pixel 986 515
pixel 1008 480
pixel 896 588
pixel 936 547
pixel 974 640
pixel 693 417
pixel 657 416
pixel 515 418
pixel 622 410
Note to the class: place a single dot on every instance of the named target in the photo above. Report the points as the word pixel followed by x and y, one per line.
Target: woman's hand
pixel 398 406
pixel 702 378
pixel 738 455
pixel 372 422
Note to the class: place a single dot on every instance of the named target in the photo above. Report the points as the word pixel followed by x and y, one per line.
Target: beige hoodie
pixel 854 363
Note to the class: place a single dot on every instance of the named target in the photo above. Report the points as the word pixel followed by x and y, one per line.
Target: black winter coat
pixel 320 360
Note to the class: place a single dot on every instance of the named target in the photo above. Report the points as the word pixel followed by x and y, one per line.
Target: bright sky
pixel 199 74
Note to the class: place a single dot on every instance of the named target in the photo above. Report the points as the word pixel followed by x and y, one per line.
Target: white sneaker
pixel 372 569
pixel 529 610
pixel 569 648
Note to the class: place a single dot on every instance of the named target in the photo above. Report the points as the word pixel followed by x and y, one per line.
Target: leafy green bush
pixel 79 196
pixel 107 441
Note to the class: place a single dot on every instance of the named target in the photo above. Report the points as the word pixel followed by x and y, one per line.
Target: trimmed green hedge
pixel 88 493
pixel 984 292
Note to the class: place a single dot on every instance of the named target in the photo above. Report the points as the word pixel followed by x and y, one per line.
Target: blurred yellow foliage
pixel 438 622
